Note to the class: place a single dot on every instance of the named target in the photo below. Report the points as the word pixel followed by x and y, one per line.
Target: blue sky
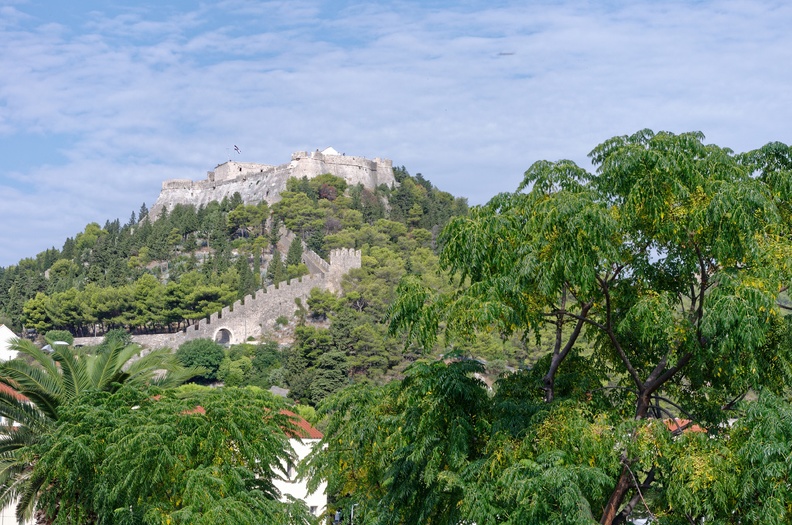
pixel 102 101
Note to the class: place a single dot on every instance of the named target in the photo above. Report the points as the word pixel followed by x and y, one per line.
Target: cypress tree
pixel 294 256
pixel 276 272
pixel 247 281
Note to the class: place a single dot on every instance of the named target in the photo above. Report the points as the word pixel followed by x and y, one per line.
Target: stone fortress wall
pixel 254 316
pixel 265 182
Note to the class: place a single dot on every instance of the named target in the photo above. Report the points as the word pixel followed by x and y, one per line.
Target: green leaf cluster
pixel 199 457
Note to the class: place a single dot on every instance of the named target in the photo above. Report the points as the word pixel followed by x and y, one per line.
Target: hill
pixel 197 259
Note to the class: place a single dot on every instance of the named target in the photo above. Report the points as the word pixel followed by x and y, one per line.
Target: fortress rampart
pixel 265 182
pixel 254 315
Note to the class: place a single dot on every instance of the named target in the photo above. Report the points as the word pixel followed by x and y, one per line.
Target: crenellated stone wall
pixel 254 316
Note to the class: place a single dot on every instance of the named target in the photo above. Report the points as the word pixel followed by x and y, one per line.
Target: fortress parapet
pixel 236 170
pixel 264 182
pixel 342 260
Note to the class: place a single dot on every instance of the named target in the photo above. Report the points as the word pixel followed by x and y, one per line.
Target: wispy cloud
pixel 469 94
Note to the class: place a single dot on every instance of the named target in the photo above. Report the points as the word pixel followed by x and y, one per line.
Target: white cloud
pixel 146 95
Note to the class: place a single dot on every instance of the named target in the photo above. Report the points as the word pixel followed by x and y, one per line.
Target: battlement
pixel 257 182
pixel 341 261
pixel 266 304
pixel 345 259
pixel 237 170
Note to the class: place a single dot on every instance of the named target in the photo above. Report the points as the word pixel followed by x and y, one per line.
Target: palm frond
pixel 73 372
pixel 39 385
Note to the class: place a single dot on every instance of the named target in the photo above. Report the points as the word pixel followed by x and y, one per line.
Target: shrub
pixel 59 335
pixel 112 337
pixel 202 352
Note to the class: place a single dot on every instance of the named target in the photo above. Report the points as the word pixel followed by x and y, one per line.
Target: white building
pixel 298 489
pixel 6 335
pixel 8 514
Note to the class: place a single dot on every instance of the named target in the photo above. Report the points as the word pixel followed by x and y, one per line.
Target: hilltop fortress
pixel 265 182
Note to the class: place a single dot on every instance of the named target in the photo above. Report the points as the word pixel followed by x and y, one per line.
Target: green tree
pixel 247 280
pixel 321 303
pixel 148 302
pixel 38 386
pixel 404 447
pixel 204 456
pixel 294 266
pixel 671 258
pixel 59 335
pixel 234 372
pixel 330 375
pixel 298 213
pixel 276 272
pixel 294 255
pixel 203 353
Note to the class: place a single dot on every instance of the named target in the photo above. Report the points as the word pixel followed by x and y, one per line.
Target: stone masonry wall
pixel 264 182
pixel 254 316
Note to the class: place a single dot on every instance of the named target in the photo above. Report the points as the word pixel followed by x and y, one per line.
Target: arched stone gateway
pixel 223 336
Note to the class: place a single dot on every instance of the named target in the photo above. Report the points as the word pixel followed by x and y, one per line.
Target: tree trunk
pixel 625 479
pixel 628 509
pixel 612 507
pixel 549 379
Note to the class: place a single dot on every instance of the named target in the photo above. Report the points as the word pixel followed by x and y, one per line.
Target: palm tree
pixel 33 389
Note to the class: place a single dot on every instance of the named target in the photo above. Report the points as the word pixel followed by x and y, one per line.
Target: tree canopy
pixel 37 385
pixel 667 265
pixel 196 456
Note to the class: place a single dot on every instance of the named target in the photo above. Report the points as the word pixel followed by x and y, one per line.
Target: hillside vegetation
pixel 149 276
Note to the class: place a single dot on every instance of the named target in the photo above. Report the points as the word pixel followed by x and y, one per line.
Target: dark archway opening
pixel 223 336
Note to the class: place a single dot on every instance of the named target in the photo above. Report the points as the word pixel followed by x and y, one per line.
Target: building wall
pixel 264 182
pixel 232 170
pixel 8 513
pixel 6 336
pixel 299 488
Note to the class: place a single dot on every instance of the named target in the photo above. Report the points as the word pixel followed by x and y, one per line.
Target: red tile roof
pixel 682 425
pixel 197 410
pixel 304 429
